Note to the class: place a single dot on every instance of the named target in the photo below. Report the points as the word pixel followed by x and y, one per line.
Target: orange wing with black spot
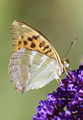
pixel 26 36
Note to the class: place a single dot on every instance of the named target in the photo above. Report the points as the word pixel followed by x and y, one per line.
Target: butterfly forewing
pixel 26 36
pixel 34 62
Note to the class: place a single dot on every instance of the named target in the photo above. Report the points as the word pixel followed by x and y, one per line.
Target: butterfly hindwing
pixel 31 69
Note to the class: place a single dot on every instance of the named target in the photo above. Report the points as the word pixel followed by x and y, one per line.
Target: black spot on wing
pixel 38 36
pixel 22 36
pixel 25 42
pixel 34 37
pixel 46 47
pixel 48 51
pixel 19 42
pixel 33 45
pixel 42 44
pixel 30 39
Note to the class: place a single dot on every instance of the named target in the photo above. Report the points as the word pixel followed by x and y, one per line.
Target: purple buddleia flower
pixel 67 102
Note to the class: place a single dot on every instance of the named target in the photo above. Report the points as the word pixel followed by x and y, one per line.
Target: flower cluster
pixel 67 102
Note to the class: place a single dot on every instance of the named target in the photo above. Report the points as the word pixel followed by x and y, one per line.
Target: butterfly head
pixel 65 62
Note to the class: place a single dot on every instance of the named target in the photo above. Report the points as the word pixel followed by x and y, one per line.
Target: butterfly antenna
pixel 72 43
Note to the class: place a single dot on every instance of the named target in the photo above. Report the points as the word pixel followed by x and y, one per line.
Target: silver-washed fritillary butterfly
pixel 35 62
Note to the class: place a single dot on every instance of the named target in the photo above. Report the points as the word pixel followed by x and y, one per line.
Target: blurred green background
pixel 61 21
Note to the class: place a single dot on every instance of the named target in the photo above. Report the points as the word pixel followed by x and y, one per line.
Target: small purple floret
pixel 67 102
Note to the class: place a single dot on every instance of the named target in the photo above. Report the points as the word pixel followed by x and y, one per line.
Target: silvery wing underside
pixel 30 69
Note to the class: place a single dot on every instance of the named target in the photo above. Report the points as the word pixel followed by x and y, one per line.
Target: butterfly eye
pixel 65 62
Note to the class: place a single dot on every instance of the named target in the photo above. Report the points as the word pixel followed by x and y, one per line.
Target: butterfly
pixel 35 62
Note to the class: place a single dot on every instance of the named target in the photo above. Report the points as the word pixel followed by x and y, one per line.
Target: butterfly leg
pixel 67 73
pixel 59 80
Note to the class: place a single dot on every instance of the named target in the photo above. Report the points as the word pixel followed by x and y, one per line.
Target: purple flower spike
pixel 66 103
